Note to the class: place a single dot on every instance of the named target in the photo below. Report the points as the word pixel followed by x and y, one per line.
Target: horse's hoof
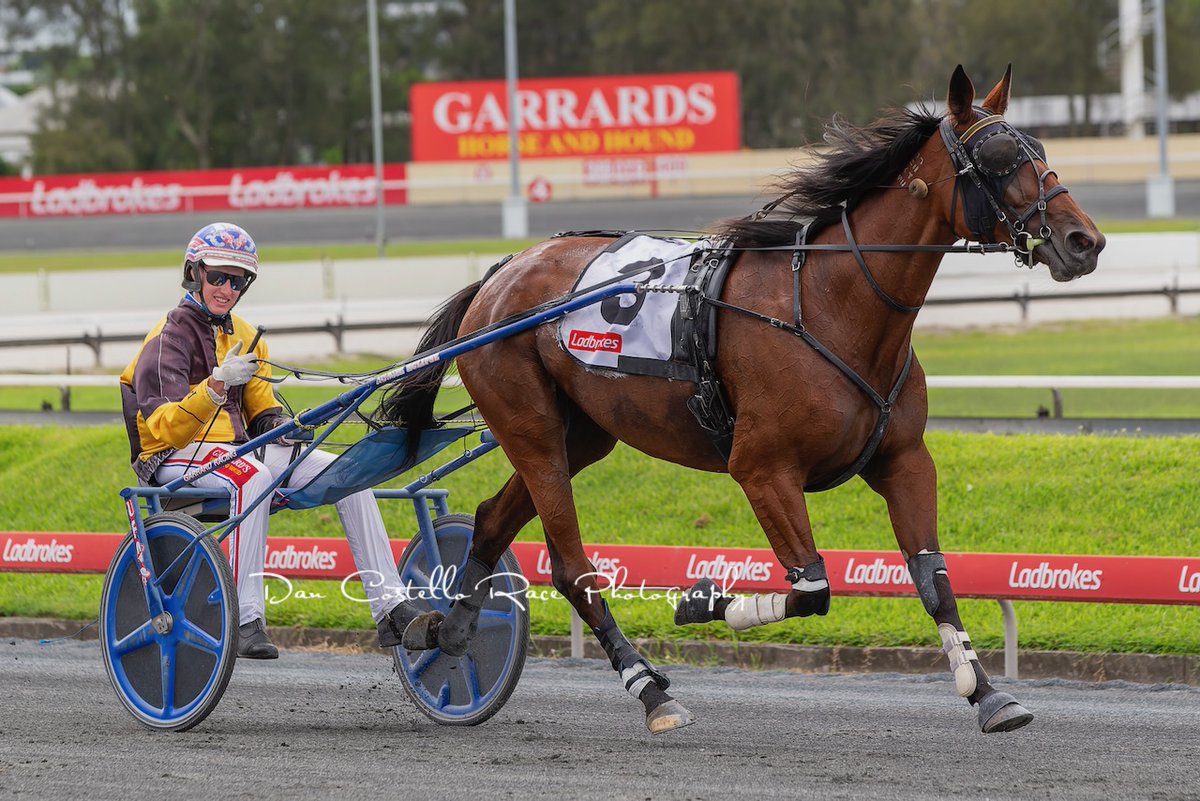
pixel 1001 712
pixel 696 605
pixel 668 716
pixel 421 633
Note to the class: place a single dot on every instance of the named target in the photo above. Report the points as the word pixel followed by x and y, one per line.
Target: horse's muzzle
pixel 1075 254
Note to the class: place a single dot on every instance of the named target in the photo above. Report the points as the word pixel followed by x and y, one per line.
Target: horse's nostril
pixel 1079 242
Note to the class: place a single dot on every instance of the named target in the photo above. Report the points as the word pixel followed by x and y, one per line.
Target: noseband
pixel 989 153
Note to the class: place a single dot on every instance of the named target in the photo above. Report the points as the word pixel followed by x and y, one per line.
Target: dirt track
pixel 316 725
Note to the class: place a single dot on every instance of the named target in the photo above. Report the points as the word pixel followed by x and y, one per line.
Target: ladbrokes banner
pixel 249 189
pixel 632 568
pixel 573 117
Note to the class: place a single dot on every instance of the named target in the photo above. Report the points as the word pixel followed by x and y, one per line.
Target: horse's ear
pixel 961 96
pixel 997 99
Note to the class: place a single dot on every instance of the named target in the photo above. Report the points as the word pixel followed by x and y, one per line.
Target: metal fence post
pixel 327 277
pixel 1010 638
pixel 1022 299
pixel 94 342
pixel 576 635
pixel 43 281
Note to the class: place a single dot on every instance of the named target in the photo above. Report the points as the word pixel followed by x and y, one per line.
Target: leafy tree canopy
pixel 162 84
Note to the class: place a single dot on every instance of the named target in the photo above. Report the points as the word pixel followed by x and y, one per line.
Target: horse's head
pixel 1006 191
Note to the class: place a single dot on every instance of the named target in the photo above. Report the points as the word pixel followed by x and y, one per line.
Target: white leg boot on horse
pixel 775 494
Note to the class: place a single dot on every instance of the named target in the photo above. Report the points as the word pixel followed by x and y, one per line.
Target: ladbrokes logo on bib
pixel 592 341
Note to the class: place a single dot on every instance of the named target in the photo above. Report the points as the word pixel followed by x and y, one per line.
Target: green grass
pixel 1022 494
pixel 1166 346
pixel 1169 346
pixel 1148 226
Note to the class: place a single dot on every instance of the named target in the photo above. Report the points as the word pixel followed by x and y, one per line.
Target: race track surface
pixel 325 725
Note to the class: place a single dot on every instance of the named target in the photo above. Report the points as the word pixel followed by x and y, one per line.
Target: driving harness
pixel 988 154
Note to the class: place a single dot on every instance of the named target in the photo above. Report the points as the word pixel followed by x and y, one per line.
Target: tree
pixel 158 84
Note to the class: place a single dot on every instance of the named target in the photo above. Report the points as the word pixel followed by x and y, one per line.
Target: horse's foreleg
pixel 777 497
pixel 908 482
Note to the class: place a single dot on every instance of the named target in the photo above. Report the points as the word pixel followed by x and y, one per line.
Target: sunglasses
pixel 236 282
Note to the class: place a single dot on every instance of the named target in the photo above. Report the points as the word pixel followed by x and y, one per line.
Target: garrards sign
pixel 620 115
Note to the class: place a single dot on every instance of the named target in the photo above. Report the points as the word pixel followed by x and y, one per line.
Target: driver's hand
pixel 236 370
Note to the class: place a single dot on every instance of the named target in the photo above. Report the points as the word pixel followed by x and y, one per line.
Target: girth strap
pixel 885 405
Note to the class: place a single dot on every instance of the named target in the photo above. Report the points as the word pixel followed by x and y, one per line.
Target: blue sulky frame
pixel 335 412
pixel 430 505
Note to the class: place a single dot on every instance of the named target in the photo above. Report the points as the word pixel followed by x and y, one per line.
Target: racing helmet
pixel 219 245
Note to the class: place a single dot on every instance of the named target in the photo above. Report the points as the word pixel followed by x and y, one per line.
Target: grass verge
pixel 1022 494
pixel 66 260
pixel 1168 346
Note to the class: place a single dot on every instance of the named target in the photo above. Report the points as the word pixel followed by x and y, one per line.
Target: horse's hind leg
pixel 498 520
pixel 548 439
pixel 908 482
pixel 545 458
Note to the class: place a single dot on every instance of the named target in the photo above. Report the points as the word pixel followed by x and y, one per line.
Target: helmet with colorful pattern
pixel 219 245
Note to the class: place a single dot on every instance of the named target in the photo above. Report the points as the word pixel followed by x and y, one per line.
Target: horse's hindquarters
pixel 515 381
pixel 645 412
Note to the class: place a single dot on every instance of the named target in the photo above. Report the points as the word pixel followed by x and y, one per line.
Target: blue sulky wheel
pixel 465 690
pixel 170 670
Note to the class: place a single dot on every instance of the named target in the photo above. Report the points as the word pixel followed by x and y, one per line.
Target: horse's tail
pixel 408 402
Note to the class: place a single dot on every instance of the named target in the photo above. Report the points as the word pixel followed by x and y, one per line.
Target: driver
pixel 192 394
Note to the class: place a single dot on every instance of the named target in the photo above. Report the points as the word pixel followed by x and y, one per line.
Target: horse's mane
pixel 858 161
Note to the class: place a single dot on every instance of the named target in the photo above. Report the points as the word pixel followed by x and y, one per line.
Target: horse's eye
pixel 998 155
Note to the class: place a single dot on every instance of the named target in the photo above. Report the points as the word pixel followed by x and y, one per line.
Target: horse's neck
pixel 877 333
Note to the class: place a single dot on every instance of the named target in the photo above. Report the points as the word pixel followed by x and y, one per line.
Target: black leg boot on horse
pixel 454 631
pixel 998 711
pixel 641 680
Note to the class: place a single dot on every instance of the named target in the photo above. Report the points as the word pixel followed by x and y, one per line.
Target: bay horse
pixel 828 390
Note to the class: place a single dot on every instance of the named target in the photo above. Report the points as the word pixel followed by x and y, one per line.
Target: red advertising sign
pixel 248 189
pixel 571 117
pixel 632 568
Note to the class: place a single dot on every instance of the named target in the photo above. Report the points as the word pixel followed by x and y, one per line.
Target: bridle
pixel 989 153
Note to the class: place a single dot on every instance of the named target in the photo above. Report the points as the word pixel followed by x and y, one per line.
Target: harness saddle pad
pixel 640 334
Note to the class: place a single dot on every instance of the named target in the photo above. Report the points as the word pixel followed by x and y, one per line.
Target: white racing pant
pixel 247 478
